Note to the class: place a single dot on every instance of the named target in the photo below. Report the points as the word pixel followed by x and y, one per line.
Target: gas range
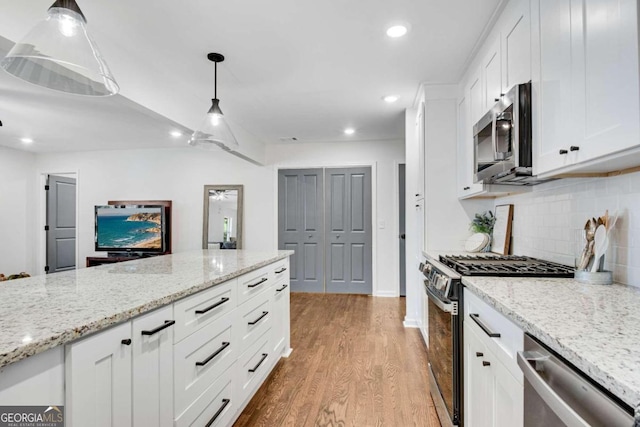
pixel 505 266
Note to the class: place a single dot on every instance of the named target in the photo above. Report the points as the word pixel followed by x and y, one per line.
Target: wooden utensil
pixel 600 240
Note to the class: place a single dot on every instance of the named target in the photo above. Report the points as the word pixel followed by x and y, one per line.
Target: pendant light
pixel 215 128
pixel 59 54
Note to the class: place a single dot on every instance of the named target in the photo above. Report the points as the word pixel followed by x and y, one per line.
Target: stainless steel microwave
pixel 502 140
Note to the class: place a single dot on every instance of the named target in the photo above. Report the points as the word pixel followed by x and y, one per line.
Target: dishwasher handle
pixel 568 416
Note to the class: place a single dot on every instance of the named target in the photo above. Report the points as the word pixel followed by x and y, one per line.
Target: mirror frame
pixel 205 222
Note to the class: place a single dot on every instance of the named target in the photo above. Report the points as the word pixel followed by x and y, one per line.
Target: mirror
pixel 222 217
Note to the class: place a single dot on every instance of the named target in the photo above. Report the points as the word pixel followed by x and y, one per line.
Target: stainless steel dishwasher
pixel 557 394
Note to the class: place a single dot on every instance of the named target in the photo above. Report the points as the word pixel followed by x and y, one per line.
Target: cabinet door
pixel 605 73
pixel 492 76
pixel 152 349
pixel 280 328
pixel 509 398
pixel 478 382
pixel 466 187
pixel 98 379
pixel 420 131
pixel 476 100
pixel 552 109
pixel 516 45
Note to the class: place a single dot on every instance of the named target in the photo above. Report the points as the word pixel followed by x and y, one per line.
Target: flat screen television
pixel 130 229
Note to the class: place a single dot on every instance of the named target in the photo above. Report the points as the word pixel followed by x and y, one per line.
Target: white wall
pixel 546 221
pixel 384 156
pixel 17 211
pixel 177 174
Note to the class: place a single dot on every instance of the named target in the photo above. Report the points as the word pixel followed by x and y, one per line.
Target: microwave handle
pixel 494 135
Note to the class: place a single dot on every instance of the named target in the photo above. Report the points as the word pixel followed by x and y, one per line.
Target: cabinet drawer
pixel 252 367
pixel 280 270
pixel 484 319
pixel 216 403
pixel 201 358
pixel 203 308
pixel 251 284
pixel 252 320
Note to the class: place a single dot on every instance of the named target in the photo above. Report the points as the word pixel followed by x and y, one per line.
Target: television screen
pixel 129 228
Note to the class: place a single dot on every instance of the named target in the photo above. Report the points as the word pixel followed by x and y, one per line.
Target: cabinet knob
pixel 466 188
pixel 417 206
pixel 496 99
pixel 485 363
pixel 478 354
pixel 126 342
pixel 574 148
pixel 563 152
pixel 418 195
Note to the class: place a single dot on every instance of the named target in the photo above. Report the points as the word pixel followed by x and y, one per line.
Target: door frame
pixel 374 210
pixel 396 223
pixel 41 239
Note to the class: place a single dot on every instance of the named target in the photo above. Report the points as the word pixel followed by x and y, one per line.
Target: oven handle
pixel 444 306
pixel 546 393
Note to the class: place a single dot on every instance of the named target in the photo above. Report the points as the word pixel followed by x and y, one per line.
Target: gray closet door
pixel 401 226
pixel 348 230
pixel 61 220
pixel 301 226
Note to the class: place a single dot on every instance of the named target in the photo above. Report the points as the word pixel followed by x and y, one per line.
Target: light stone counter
pixel 595 327
pixel 43 312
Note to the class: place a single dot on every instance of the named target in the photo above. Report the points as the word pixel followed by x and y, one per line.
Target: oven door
pixel 443 358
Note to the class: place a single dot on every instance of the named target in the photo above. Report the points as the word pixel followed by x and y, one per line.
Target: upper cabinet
pixel 585 85
pixel 516 46
pixel 491 76
pixel 420 132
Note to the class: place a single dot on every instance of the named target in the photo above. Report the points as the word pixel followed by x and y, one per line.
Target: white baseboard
pixel 386 294
pixel 287 352
pixel 411 323
pixel 424 337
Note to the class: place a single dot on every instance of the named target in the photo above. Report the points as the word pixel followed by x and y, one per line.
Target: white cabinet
pixel 421 131
pixel 464 154
pixel 476 99
pixel 281 301
pixel 493 383
pixel 152 356
pixel 516 45
pixel 585 82
pixel 98 379
pixel 492 76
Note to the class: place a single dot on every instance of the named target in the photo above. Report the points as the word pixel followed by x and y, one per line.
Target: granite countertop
pixel 595 327
pixel 43 312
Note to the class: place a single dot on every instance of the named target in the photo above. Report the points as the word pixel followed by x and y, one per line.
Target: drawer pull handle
pixel 258 283
pixel 466 188
pixel 574 148
pixel 215 353
pixel 478 354
pixel 282 270
pixel 563 152
pixel 167 323
pixel 225 402
pixel 255 368
pixel 211 307
pixel 485 363
pixel 264 313
pixel 476 318
pixel 282 288
pixel 126 342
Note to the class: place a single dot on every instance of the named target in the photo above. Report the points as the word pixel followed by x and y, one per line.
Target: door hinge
pixel 46 187
pixel 46 268
pixel 454 308
pixel 46 228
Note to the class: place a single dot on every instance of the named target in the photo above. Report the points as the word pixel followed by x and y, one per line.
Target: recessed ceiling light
pixel 349 131
pixel 390 98
pixel 26 140
pixel 397 31
pixel 176 133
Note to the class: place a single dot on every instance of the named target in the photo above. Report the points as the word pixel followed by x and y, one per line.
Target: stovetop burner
pixel 504 266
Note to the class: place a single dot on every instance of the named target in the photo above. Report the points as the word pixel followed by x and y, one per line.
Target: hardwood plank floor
pixel 353 364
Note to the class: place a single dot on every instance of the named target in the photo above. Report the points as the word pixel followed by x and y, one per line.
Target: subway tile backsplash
pixel 547 220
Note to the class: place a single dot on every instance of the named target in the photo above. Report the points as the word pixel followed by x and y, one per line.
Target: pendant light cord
pixel 215 80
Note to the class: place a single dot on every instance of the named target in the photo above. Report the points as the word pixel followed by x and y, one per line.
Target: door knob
pixel 403 236
pixel 310 236
pixel 338 236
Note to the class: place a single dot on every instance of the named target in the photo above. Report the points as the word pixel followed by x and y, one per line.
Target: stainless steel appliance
pixel 556 394
pixel 503 140
pixel 443 289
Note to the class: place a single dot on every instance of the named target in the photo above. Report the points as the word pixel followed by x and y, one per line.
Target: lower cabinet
pixel 493 384
pixel 144 373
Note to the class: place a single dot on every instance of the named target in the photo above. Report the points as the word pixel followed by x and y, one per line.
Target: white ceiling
pixel 294 68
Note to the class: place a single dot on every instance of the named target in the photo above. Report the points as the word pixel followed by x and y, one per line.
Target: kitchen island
pixel 594 327
pixel 200 317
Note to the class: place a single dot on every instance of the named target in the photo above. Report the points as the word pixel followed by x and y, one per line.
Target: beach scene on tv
pixel 129 228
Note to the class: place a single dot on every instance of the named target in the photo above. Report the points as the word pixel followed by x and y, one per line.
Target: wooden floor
pixel 353 364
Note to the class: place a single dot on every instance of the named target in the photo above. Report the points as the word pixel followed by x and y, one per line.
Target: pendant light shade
pixel 215 128
pixel 59 54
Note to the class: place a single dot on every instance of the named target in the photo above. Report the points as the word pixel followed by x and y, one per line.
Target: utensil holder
pixel 597 278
